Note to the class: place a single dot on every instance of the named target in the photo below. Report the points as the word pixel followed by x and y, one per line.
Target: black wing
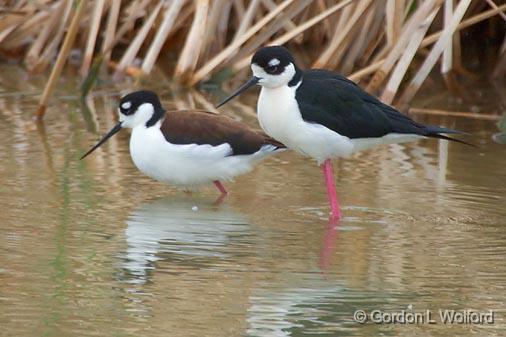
pixel 342 106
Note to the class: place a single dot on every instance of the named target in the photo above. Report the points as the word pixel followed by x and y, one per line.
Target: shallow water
pixel 94 248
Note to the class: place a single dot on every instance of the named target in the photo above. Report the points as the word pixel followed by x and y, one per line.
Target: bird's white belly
pixel 280 118
pixel 186 165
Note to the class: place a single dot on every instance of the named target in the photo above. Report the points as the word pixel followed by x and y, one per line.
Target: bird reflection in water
pixel 177 230
pixel 329 243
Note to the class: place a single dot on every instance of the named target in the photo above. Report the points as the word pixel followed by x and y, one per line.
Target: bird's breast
pixel 144 145
pixel 278 112
pixel 280 117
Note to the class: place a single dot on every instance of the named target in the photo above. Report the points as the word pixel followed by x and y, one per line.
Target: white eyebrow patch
pixel 274 62
pixel 126 105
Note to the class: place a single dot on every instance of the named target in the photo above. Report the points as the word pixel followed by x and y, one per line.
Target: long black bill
pixel 111 133
pixel 251 82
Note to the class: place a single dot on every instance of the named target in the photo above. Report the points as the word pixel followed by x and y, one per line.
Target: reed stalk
pixel 378 42
pixel 430 61
pixel 270 6
pixel 232 48
pixel 271 28
pixel 189 55
pixel 248 18
pixel 137 42
pixel 466 114
pixel 35 48
pixel 62 57
pixel 298 30
pixel 170 16
pixel 415 21
pixel 341 36
pixel 447 63
pixel 466 23
pixel 92 37
pixel 356 76
pixel 405 60
pixel 110 30
pixel 51 49
pixel 494 6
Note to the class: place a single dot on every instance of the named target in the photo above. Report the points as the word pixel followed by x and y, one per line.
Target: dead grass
pixel 374 41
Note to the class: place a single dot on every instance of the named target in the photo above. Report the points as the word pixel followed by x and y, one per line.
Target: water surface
pixel 94 248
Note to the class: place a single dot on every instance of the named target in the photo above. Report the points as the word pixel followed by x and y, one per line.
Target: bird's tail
pixel 433 129
pixel 437 132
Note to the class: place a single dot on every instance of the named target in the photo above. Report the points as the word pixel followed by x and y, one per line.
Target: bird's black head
pixel 272 67
pixel 129 103
pixel 139 108
pixel 273 60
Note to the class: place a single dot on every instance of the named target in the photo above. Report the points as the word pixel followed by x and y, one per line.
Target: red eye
pixel 271 69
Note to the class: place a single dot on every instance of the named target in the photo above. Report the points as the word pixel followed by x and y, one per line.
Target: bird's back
pixel 341 105
pixel 203 127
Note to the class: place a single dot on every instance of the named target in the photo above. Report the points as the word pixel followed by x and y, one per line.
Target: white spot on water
pixel 195 208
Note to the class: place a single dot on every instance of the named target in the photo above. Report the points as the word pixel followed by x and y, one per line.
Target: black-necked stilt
pixel 324 115
pixel 187 147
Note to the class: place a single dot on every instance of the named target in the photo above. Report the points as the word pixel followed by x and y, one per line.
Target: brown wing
pixel 202 127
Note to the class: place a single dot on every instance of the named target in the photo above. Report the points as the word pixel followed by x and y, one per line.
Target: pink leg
pixel 331 188
pixel 220 187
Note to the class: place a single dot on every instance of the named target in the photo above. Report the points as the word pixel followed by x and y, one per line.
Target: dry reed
pixel 376 41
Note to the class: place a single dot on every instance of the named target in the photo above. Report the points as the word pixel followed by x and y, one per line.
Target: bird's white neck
pixel 280 117
pixel 278 111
